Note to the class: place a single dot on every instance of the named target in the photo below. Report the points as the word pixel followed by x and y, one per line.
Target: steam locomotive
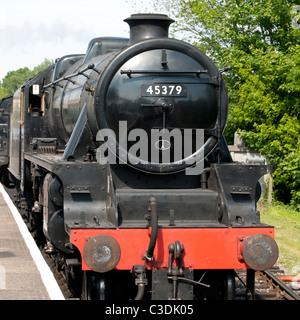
pixel 124 175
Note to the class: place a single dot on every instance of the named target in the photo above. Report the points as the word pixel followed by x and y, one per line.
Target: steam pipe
pixel 140 293
pixel 141 280
pixel 154 226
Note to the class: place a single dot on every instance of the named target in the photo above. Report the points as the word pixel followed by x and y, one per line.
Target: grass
pixel 287 233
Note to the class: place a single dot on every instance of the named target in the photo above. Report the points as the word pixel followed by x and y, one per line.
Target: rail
pixel 287 293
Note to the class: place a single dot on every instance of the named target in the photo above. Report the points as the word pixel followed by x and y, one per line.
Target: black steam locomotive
pixel 124 175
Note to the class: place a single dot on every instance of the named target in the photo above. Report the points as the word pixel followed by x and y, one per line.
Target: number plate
pixel 163 90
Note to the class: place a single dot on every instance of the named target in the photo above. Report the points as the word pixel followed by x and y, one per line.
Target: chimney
pixel 147 26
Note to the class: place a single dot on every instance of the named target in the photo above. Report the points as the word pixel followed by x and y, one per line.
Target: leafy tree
pixel 14 79
pixel 45 64
pixel 257 39
pixel 3 92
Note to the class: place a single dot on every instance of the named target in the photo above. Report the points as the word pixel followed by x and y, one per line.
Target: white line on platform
pixel 46 274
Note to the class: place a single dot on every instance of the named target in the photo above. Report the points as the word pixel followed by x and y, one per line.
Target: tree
pixel 45 64
pixel 3 92
pixel 257 39
pixel 14 79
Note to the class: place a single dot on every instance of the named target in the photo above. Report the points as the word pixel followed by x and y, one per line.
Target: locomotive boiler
pixel 124 174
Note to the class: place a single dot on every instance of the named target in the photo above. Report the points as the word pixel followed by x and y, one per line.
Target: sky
pixel 33 30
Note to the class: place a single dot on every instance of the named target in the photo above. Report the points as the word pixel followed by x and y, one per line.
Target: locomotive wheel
pixel 229 286
pixel 93 287
pixel 86 287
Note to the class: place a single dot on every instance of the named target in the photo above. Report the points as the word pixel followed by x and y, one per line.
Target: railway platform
pixel 24 274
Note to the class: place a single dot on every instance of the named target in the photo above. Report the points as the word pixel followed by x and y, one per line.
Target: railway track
pixel 277 289
pixel 269 285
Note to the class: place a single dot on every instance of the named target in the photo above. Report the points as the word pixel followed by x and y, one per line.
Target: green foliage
pixel 257 39
pixel 14 79
pixel 287 224
pixel 44 65
pixel 3 92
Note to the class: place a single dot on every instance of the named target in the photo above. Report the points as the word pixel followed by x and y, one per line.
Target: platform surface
pixel 24 274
